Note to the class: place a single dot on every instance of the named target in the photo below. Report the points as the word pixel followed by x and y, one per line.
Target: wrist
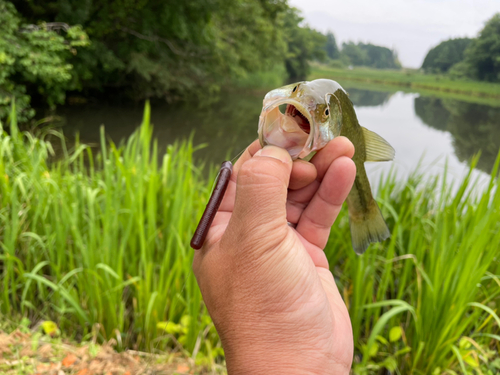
pixel 279 351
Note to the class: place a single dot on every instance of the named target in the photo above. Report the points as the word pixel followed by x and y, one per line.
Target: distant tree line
pixel 477 58
pixel 360 54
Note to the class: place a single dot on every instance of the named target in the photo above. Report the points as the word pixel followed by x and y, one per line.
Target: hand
pixel 268 286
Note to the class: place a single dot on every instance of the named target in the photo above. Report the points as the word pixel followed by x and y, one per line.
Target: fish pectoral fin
pixel 377 148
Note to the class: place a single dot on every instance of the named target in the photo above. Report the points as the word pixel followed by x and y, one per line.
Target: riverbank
pixel 411 81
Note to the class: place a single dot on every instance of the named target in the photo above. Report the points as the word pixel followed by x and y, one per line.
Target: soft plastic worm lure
pixel 213 204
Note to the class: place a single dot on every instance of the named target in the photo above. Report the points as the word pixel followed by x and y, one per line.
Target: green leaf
pixel 405 350
pixel 456 351
pixel 169 327
pixel 395 334
pixel 495 363
pixel 382 340
pixel 49 327
pixel 400 306
pixel 373 350
pixel 390 364
pixel 185 320
pixel 471 361
pixel 464 343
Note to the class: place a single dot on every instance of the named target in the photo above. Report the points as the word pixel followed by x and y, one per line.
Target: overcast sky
pixel 411 27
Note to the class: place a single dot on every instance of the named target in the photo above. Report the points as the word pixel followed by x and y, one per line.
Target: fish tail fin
pixel 367 226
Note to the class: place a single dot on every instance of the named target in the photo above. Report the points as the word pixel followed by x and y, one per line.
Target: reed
pixel 99 243
pixel 426 300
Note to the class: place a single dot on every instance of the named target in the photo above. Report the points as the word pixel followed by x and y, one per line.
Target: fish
pixel 313 113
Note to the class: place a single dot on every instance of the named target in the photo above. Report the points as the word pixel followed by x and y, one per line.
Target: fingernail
pixel 275 152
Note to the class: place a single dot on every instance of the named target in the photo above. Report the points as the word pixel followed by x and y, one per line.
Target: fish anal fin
pixel 366 227
pixel 377 148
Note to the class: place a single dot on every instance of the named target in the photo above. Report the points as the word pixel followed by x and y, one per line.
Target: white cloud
pixel 412 27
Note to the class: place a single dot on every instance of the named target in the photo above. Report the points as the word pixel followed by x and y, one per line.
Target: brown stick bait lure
pixel 212 207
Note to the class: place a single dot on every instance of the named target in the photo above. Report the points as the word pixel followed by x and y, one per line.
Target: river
pixel 426 132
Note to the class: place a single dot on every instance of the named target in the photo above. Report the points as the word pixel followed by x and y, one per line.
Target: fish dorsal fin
pixel 377 148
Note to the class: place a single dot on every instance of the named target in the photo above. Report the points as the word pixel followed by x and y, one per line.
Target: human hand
pixel 267 286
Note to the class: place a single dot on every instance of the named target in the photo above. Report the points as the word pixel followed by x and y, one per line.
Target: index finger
pixel 339 146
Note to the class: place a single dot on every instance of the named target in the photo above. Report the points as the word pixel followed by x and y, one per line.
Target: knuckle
pixel 263 173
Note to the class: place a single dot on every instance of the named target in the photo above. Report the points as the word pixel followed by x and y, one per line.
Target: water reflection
pixel 474 127
pixel 441 129
pixel 365 98
pixel 226 127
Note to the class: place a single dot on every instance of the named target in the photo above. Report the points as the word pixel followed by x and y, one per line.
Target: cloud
pixel 411 27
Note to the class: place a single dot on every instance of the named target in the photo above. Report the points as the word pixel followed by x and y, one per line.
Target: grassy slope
pixel 414 81
pixel 101 248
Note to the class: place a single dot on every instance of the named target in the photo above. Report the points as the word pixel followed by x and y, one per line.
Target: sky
pixel 411 27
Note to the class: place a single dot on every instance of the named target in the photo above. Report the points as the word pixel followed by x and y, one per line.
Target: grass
pixel 434 285
pixel 414 81
pixel 99 244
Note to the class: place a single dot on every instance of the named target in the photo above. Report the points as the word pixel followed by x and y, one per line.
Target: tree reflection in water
pixel 474 127
pixel 365 98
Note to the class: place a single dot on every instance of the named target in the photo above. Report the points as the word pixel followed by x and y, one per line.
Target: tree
pixel 370 55
pixel 380 57
pixel 356 55
pixel 446 54
pixel 303 44
pixel 35 57
pixel 483 55
pixel 168 49
pixel 331 48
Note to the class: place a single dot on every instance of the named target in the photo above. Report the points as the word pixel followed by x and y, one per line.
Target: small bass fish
pixel 316 112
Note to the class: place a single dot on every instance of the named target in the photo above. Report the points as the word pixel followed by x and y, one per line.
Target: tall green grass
pixel 435 283
pixel 99 243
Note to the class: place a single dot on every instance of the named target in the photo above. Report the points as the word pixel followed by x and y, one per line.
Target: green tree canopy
pixel 355 54
pixel 446 54
pixel 370 55
pixel 35 57
pixel 380 57
pixel 482 58
pixel 331 48
pixel 303 44
pixel 155 48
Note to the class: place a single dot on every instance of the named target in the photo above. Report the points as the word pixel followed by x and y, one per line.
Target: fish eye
pixel 295 89
pixel 327 112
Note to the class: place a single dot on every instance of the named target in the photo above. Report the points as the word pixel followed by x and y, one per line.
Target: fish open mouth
pixel 291 129
pixel 299 118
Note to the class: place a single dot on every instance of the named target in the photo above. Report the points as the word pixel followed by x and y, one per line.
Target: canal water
pixel 426 132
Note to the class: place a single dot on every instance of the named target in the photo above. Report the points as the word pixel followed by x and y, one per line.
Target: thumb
pixel 261 193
